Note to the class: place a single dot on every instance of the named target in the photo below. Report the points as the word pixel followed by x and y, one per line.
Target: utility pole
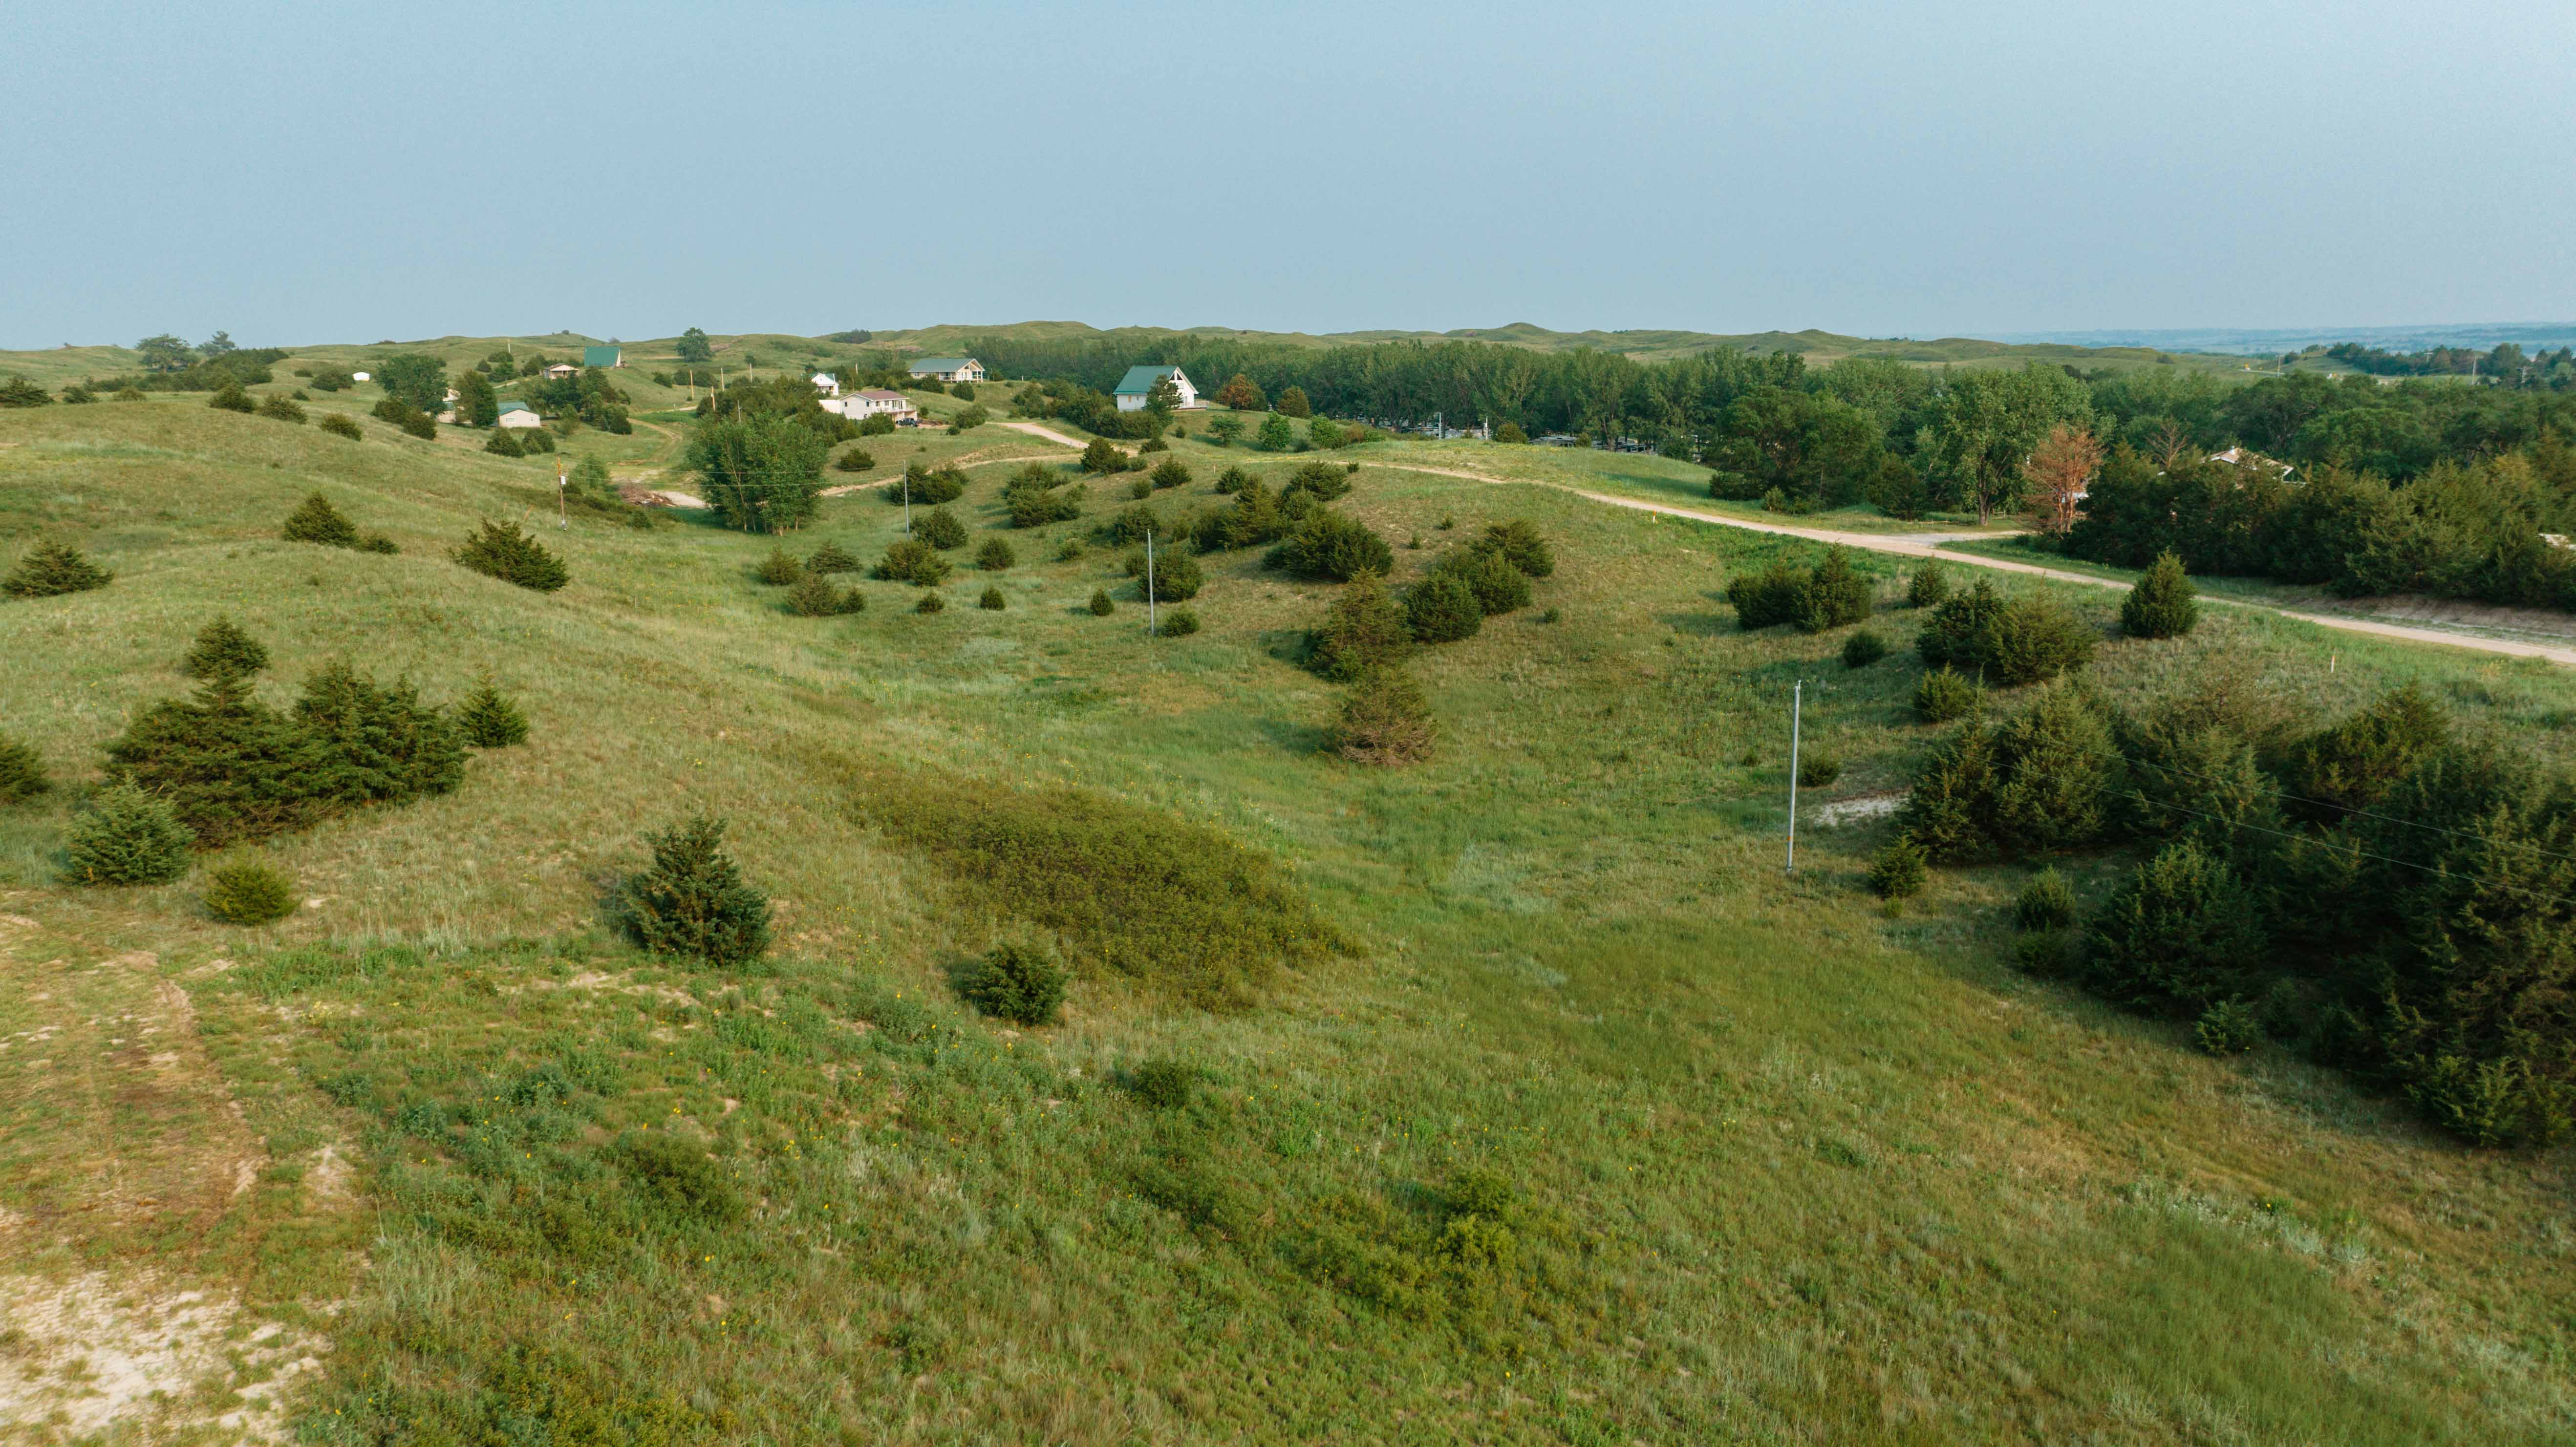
pixel 1797 700
pixel 563 510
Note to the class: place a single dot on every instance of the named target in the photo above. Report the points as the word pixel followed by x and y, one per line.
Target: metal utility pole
pixel 563 510
pixel 1797 701
pixel 1149 584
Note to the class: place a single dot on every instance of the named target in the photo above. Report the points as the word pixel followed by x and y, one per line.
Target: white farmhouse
pixel 827 384
pixel 871 402
pixel 948 369
pixel 515 413
pixel 1137 387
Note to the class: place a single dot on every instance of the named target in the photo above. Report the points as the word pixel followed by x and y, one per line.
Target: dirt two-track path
pixel 1928 545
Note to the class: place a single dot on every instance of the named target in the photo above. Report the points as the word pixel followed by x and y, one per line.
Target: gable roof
pixel 513 404
pixel 879 394
pixel 940 364
pixel 599 356
pixel 1140 380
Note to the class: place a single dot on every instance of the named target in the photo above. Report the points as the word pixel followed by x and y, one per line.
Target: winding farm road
pixel 1928 545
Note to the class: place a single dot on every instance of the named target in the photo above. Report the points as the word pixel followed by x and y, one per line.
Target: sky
pixel 305 174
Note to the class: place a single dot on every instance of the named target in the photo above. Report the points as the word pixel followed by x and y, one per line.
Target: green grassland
pixel 1776 1164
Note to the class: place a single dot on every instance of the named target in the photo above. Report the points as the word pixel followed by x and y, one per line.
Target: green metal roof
pixel 939 364
pixel 599 356
pixel 513 404
pixel 1140 381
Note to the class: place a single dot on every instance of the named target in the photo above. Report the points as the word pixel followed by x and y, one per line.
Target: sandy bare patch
pixel 94 1352
pixel 1858 808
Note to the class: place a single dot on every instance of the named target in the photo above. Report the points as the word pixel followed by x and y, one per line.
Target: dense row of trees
pixel 2505 364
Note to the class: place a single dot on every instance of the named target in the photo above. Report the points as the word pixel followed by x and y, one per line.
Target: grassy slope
pixel 1797 1170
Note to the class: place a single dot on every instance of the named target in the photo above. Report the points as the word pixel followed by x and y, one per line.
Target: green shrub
pixel 828 558
pixel 231 398
pixel 1519 543
pixel 1168 473
pixel 2163 604
pixel 992 600
pixel 941 529
pixel 282 409
pixel 1034 505
pixel 995 555
pixel 856 459
pixel 2046 903
pixel 692 903
pixel 1941 695
pixel 911 560
pixel 19 392
pixel 1014 982
pixel 1252 518
pixel 317 521
pixel 2230 1027
pixel 2501 1101
pixel 1833 596
pixel 342 425
pixel 504 442
pixel 1929 587
pixel 127 836
pixel 930 603
pixel 1384 720
pixel 377 543
pixel 22 772
pixel 503 551
pixel 1817 768
pixel 1767 598
pixel 379 743
pixel 2355 763
pixel 1442 609
pixel 1134 889
pixel 2041 780
pixel 52 569
pixel 921 485
pixel 1498 586
pixel 1329 546
pixel 419 424
pixel 1863 649
pixel 536 440
pixel 131 394
pixel 1364 629
pixel 1323 480
pixel 249 892
pixel 1132 525
pixel 676 1177
pixel 779 569
pixel 222 646
pixel 1100 457
pixel 1232 479
pixel 1177 578
pixel 2182 932
pixel 1177 623
pixel 1898 871
pixel 1164 1084
pixel 486 720
pixel 2029 639
pixel 1101 607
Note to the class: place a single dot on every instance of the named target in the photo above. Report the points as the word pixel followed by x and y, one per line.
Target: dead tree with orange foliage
pixel 2059 471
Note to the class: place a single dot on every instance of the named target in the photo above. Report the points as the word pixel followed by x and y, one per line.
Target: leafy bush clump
pixel 1101 607
pixel 830 558
pixel 1442 609
pixel 1034 502
pixel 920 485
pixel 911 560
pixel 1328 546
pixel 52 569
pixel 317 521
pixel 1898 871
pixel 1163 1084
pixel 1321 480
pixel 504 551
pixel 995 555
pixel 2163 604
pixel 249 892
pixel 1829 596
pixel 377 543
pixel 1232 479
pixel 813 596
pixel 20 392
pixel 487 720
pixel 1521 545
pixel 1942 695
pixel 1863 649
pixel 1929 587
pixel 1251 519
pixel 127 836
pixel 2046 903
pixel 857 459
pixel 1101 458
pixel 504 442
pixel 1014 982
pixel 2356 763
pixel 941 529
pixel 692 903
pixel 677 1177
pixel 282 409
pixel 231 398
pixel 2229 1027
pixel 1176 577
pixel 22 772
pixel 1169 473
pixel 992 599
pixel 340 424
pixel 1132 525
pixel 1131 888
pixel 1768 598
pixel 1818 768
pixel 2028 639
pixel 1364 629
pixel 1384 720
pixel 1497 585
pixel 931 603
pixel 2042 780
pixel 779 569
pixel 1177 623
pixel 222 647
pixel 2181 933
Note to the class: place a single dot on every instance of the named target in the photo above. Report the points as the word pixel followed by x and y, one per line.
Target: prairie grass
pixel 1766 1161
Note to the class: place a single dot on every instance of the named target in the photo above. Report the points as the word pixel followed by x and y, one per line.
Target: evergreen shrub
pixel 504 551
pixel 126 836
pixel 222 646
pixel 692 902
pixel 1384 720
pixel 249 892
pixel 51 569
pixel 317 521
pixel 1014 982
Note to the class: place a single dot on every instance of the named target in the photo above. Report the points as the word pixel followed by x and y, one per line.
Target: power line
pixel 2349 809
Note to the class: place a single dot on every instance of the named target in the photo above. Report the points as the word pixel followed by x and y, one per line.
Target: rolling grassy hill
pixel 1596 1129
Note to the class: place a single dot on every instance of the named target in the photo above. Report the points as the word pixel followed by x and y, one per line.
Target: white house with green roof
pixel 1137 387
pixel 948 369
pixel 515 413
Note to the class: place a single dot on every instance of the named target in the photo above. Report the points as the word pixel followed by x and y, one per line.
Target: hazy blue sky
pixel 309 173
